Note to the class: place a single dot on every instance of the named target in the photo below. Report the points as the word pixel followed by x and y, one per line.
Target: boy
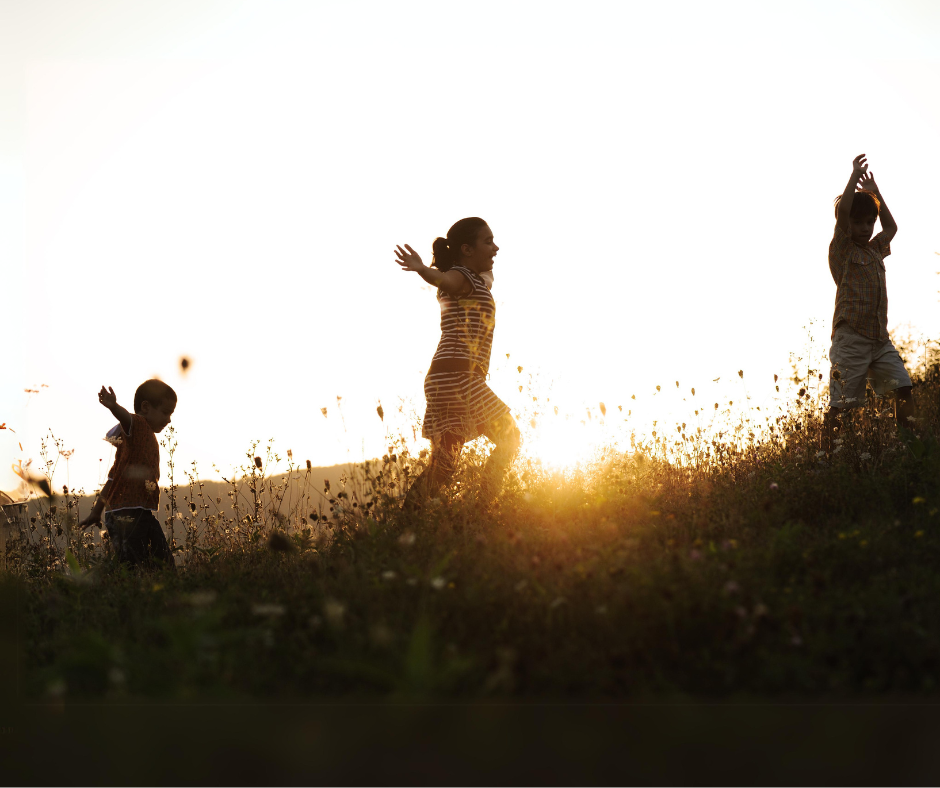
pixel 132 494
pixel 860 343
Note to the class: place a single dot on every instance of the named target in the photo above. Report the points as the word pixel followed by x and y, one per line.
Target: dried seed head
pixel 257 462
pixel 309 466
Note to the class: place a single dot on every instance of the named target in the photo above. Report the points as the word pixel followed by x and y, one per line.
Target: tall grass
pixel 732 555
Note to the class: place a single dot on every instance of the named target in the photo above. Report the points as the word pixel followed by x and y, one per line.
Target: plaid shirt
pixel 132 481
pixel 861 291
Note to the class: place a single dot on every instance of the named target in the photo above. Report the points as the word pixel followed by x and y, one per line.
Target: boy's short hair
pixel 154 391
pixel 864 205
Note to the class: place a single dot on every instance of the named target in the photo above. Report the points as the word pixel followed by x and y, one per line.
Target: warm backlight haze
pixel 228 182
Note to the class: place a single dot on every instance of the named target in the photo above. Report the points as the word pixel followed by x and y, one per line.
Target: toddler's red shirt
pixel 133 481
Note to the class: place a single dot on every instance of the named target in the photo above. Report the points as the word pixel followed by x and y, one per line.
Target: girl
pixel 461 406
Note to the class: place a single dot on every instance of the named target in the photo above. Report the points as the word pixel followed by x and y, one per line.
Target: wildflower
pixel 864 456
pixel 269 609
pixel 918 534
pixel 202 598
pixel 774 486
pixel 695 555
pixel 279 542
pixel 381 635
pixel 437 583
pixel 407 539
pixel 558 601
pixel 334 612
pixel 731 587
pixel 820 454
pixel 389 574
pixel 919 500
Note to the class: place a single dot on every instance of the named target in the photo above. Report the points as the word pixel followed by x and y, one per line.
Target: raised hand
pixel 860 165
pixel 867 182
pixel 107 397
pixel 408 260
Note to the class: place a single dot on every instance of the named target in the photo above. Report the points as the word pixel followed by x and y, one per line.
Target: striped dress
pixel 459 400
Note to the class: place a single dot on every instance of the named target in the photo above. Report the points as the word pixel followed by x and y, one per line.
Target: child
pixel 132 494
pixel 860 343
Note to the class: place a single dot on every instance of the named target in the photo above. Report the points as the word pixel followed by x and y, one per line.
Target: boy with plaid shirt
pixel 861 349
pixel 132 493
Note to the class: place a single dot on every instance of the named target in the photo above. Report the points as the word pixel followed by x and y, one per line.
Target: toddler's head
pixel 155 401
pixel 862 216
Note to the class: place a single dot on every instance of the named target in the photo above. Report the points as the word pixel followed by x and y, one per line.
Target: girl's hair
pixel 154 391
pixel 447 250
pixel 864 205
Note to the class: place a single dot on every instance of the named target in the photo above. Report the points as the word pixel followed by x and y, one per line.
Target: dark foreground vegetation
pixel 709 564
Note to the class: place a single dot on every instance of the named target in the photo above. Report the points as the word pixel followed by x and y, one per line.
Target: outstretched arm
pixel 888 225
pixel 859 168
pixel 451 282
pixel 108 398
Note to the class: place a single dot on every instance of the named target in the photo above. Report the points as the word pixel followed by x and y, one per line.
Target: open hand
pixel 409 260
pixel 107 397
pixel 860 164
pixel 867 182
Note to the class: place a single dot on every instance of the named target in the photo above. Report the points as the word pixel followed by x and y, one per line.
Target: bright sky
pixel 227 181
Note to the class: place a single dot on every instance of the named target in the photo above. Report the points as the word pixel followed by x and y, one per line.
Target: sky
pixel 226 181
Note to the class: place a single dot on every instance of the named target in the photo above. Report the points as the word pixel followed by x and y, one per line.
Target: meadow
pixel 735 559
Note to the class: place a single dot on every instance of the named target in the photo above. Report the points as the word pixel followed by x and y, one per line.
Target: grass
pixel 719 561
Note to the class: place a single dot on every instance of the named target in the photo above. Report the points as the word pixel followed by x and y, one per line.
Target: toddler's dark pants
pixel 137 538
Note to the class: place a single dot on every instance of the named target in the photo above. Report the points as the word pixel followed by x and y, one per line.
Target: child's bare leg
pixel 904 406
pixel 440 470
pixel 505 434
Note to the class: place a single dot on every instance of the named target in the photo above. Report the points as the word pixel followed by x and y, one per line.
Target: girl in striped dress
pixel 460 404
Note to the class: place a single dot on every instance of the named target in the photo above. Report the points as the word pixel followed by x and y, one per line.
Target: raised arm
pixel 108 398
pixel 888 225
pixel 451 282
pixel 859 168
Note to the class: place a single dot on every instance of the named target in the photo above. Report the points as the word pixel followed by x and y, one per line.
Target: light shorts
pixel 858 358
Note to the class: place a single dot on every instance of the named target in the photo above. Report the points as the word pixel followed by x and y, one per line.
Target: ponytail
pixel 447 250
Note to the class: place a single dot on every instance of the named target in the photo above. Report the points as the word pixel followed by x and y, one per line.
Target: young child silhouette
pixel 132 493
pixel 861 349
